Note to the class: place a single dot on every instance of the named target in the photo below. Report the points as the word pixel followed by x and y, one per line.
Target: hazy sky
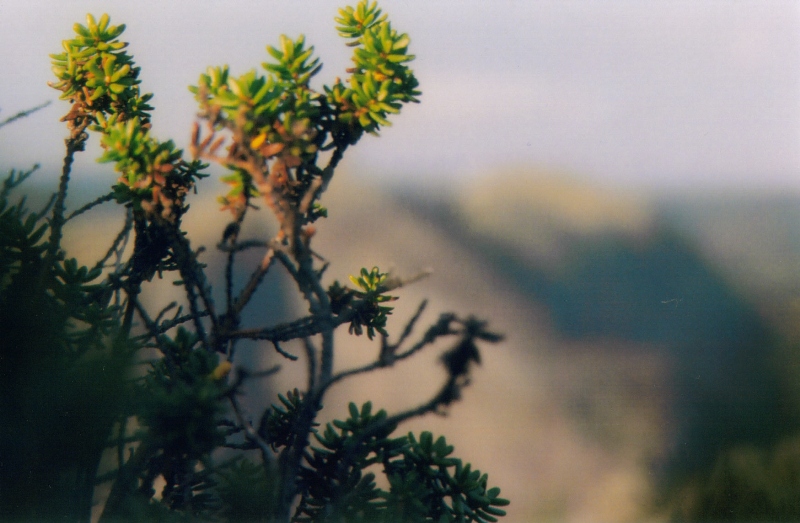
pixel 635 93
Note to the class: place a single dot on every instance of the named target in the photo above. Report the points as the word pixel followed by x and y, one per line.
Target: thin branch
pixel 102 199
pixel 165 310
pixel 409 326
pixel 303 327
pixel 255 281
pixel 437 330
pixel 296 276
pixel 309 282
pixel 443 397
pixel 123 426
pixel 449 392
pixel 167 325
pixel 151 326
pixel 336 157
pixel 326 366
pixel 311 355
pixel 282 352
pixel 231 234
pixel 441 328
pixel 129 218
pixel 23 114
pixel 264 373
pixel 310 195
pixel 292 455
pixel 120 241
pixel 76 144
pixel 126 482
pixel 250 432
pixel 195 286
pixel 190 285
pixel 127 319
pixel 243 246
pixel 39 215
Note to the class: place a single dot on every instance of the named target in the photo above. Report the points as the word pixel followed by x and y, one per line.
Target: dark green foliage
pixel 335 484
pixel 21 233
pixel 371 290
pixel 62 366
pixel 439 478
pixel 180 401
pixel 277 424
pixel 246 491
pixel 425 482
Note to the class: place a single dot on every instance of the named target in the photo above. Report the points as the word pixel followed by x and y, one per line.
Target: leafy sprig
pixel 293 62
pixel 98 75
pixel 373 315
pixel 101 79
pixel 279 119
pixel 425 482
pixel 380 82
pixel 153 175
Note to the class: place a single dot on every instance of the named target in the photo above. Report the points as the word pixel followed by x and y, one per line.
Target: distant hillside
pixel 676 278
pixel 753 239
pixel 538 214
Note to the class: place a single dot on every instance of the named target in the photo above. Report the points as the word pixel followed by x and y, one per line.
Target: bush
pixel 182 445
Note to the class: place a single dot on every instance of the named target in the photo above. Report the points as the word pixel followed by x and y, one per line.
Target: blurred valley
pixel 651 347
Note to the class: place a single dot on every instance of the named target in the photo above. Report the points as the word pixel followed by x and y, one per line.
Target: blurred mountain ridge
pixel 690 278
pixel 536 211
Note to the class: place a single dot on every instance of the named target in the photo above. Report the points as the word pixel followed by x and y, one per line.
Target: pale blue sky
pixel 630 93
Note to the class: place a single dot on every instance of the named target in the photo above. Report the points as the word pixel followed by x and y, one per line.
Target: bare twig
pixel 311 354
pixel 119 242
pixel 250 432
pixel 394 282
pixel 167 325
pixel 294 271
pixel 282 352
pixel 255 281
pixel 243 246
pixel 408 328
pixel 39 215
pixel 303 327
pixel 165 310
pixel 231 235
pixel 102 199
pixel 152 327
pixel 308 281
pixel 310 195
pixel 75 143
pixel 194 283
pixel 23 114
pixel 441 328
pixel 264 373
